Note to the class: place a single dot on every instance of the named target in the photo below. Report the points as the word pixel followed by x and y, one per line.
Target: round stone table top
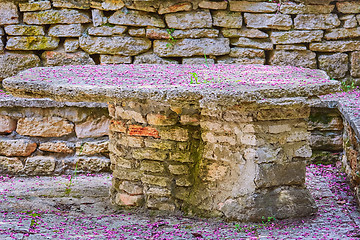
pixel 220 84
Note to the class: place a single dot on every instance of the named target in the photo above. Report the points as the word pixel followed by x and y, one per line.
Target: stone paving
pixel 42 208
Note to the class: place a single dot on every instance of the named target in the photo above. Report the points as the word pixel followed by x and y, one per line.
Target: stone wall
pixel 43 137
pixel 308 33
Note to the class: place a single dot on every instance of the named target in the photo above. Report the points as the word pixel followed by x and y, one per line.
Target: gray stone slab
pixel 220 84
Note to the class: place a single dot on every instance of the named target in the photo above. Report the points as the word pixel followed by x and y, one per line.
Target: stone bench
pixel 224 140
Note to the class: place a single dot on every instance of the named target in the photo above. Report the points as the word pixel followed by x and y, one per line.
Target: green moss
pixel 324 157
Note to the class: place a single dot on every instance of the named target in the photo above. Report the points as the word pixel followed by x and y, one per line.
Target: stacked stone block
pixel 49 138
pixel 312 34
pixel 209 162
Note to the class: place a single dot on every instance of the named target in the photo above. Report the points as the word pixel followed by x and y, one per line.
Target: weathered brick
pixel 183 181
pixel 177 7
pixel 227 19
pixel 66 30
pixel 294 8
pixel 124 199
pixel 64 16
pixel 342 33
pixel 156 180
pixel 127 174
pixel 335 46
pixel 252 43
pixel 32 43
pixel 7 124
pixel 268 21
pixel 152 154
pixel 335 65
pixel 71 44
pixel 136 130
pixel 348 7
pixel 108 5
pixel 244 32
pixel 92 164
pixel 253 7
pixel 106 30
pixel 136 18
pixel 158 191
pixel 34 6
pixel 188 20
pixel 316 21
pixel 213 5
pixel 44 127
pixel 212 138
pixel 175 133
pixel 355 64
pixel 92 148
pixel 161 120
pixel 178 169
pixel 60 147
pixel 130 141
pixel 279 128
pixel 12 165
pixel 190 120
pixel 152 166
pixel 305 59
pixel 132 188
pixel 129 114
pixel 93 128
pixel 21 30
pixel 183 157
pixel 9 13
pixel 214 172
pixel 292 37
pixel 39 165
pixel 117 126
pixel 159 144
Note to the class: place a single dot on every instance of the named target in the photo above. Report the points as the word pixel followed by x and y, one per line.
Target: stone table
pixel 220 140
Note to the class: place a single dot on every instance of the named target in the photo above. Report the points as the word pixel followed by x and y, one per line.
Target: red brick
pixel 136 130
pixel 117 126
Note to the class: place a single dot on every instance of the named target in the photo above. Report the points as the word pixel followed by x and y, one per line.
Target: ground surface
pixel 40 208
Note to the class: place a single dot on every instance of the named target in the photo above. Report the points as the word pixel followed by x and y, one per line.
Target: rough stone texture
pixel 71 44
pixel 227 19
pixel 243 61
pixel 192 47
pixel 44 127
pixel 106 30
pixel 61 58
pixel 187 20
pixel 300 47
pixel 64 16
pixel 335 46
pixel 8 13
pixel 92 164
pixel 157 33
pixel 348 7
pixel 34 6
pixel 355 64
pixel 19 30
pixel 246 53
pixel 137 32
pixel 11 165
pixel 107 4
pixel 316 21
pixel 213 5
pixel 177 7
pixel 268 21
pixel 127 46
pixel 80 4
pixel 93 128
pixel 68 30
pixel 292 37
pixel 196 33
pixel 152 58
pixel 39 165
pixel 244 32
pixel 92 148
pixel 7 124
pixel 57 147
pixel 295 8
pixel 335 65
pixel 252 43
pixel 253 7
pixel 327 140
pixel 114 59
pixel 305 59
pixel 341 33
pixel 136 18
pixel 349 21
pixel 17 148
pixel 98 18
pixel 32 43
pixel 12 63
pixel 197 60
